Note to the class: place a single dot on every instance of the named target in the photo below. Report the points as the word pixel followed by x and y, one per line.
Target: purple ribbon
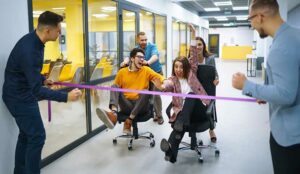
pixel 147 92
pixel 155 92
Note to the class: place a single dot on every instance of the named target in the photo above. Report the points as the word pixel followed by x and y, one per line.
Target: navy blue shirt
pixel 23 81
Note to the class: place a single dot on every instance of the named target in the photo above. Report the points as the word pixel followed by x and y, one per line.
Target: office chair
pixel 206 75
pixel 121 117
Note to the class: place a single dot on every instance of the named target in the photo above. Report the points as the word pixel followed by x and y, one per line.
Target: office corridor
pixel 242 131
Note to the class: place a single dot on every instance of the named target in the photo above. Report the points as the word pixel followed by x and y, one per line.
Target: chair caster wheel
pixel 200 160
pixel 151 135
pixel 114 141
pixel 217 153
pixel 152 143
pixel 200 143
pixel 130 148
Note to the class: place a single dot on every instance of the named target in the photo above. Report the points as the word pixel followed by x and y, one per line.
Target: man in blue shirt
pixel 282 90
pixel 152 60
pixel 24 86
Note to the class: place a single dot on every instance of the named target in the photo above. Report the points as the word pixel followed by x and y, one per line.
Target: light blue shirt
pixel 150 50
pixel 283 89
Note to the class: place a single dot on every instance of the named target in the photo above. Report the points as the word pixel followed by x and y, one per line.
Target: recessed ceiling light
pixel 240 8
pixel 212 9
pixel 100 15
pixel 59 8
pixel 221 18
pixel 108 9
pixel 224 3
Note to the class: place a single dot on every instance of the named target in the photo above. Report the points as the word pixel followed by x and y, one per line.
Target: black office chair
pixel 135 134
pixel 207 120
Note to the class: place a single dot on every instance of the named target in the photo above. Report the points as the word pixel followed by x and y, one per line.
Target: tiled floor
pixel 242 131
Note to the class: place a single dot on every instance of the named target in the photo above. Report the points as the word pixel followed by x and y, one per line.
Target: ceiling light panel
pixel 224 3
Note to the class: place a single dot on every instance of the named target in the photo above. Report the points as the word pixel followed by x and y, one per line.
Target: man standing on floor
pixel 282 90
pixel 24 87
pixel 152 60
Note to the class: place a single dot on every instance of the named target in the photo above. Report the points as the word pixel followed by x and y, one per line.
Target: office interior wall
pixel 172 10
pixel 15 25
pixel 241 36
pixel 293 17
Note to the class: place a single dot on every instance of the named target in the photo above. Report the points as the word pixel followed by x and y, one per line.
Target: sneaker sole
pixel 164 145
pixel 104 118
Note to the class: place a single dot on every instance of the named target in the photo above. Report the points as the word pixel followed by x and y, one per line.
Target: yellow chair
pixel 65 74
pixel 107 70
pixel 45 69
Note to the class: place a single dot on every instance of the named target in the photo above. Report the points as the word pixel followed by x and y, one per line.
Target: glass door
pixel 128 17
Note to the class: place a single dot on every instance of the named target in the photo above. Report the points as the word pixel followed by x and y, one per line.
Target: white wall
pixel 14 25
pixel 294 16
pixel 171 10
pixel 242 36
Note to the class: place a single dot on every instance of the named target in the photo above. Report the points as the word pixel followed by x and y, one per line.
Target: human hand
pixel 158 84
pixel 238 80
pixel 125 62
pixel 74 94
pixel 216 82
pixel 261 102
pixel 192 28
pixel 145 62
pixel 48 82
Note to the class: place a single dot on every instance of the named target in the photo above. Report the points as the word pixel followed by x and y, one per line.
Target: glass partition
pixel 64 61
pixel 183 39
pixel 129 31
pixel 146 24
pixel 175 39
pixel 160 37
pixel 102 20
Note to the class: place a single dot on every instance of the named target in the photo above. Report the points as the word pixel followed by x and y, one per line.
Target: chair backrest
pixel 206 75
pixel 78 75
pixel 55 72
pixel 97 73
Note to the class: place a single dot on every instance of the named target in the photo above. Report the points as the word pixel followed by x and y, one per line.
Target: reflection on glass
pixel 128 31
pixel 63 61
pixel 183 46
pixel 102 19
pixel 175 39
pixel 146 24
pixel 160 36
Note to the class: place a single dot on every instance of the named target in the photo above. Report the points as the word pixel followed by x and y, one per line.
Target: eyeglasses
pixel 140 57
pixel 251 17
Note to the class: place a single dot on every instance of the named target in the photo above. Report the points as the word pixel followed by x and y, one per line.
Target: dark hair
pixel 205 52
pixel 135 51
pixel 141 34
pixel 49 18
pixel 271 5
pixel 185 66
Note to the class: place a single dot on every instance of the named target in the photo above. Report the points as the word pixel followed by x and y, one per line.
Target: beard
pixel 262 34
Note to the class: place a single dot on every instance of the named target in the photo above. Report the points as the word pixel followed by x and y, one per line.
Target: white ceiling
pixel 292 4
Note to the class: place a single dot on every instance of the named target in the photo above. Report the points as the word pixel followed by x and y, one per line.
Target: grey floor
pixel 242 131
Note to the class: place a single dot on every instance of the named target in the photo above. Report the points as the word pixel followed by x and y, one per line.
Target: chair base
pixel 134 137
pixel 198 147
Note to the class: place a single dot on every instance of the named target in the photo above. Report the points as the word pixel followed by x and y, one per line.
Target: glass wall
pixel 183 39
pixel 175 39
pixel 161 38
pixel 64 61
pixel 146 24
pixel 103 57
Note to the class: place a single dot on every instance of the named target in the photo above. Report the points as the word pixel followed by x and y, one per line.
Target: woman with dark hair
pixel 206 58
pixel 183 80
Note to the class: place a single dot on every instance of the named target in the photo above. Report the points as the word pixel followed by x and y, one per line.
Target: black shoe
pixel 165 147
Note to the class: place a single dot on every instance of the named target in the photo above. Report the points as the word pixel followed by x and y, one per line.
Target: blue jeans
pixel 31 137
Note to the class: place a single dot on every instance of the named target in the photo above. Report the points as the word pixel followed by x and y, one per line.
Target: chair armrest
pixel 210 108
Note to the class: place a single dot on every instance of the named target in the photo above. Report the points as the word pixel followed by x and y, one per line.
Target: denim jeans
pixel 31 137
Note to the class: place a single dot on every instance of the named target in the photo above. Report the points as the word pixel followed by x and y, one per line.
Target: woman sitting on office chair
pixel 183 80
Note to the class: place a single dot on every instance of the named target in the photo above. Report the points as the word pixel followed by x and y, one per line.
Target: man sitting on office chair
pixel 135 76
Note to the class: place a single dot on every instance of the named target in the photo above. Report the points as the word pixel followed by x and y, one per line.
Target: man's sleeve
pixel 284 68
pixel 154 50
